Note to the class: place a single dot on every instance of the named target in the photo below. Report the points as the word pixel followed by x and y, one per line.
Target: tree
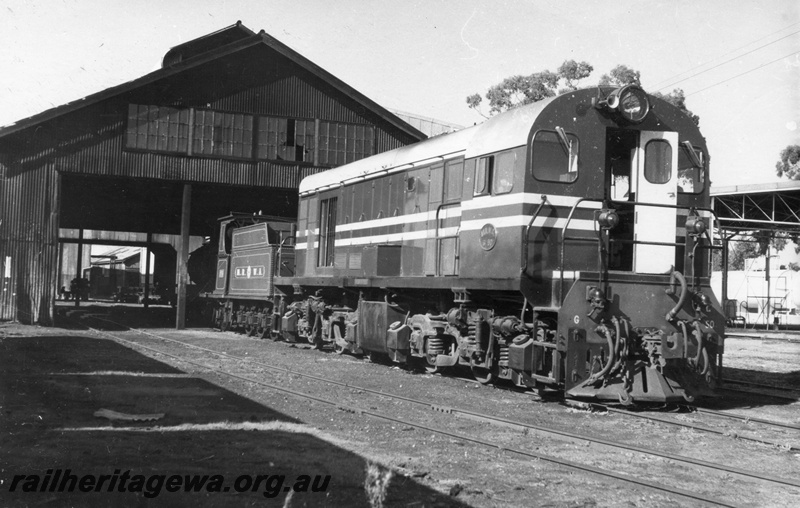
pixel 519 90
pixel 757 246
pixel 789 163
pixel 678 99
pixel 572 71
pixel 620 75
pixel 741 251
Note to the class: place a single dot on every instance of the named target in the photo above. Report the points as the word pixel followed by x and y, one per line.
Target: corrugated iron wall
pixel 28 244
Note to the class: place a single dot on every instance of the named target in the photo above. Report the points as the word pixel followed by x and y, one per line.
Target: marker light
pixel 695 226
pixel 608 219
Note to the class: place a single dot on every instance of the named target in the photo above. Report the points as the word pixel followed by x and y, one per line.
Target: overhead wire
pixel 743 73
pixel 658 84
pixel 730 60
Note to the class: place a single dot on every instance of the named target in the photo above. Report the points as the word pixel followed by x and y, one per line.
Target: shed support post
pixel 183 257
pixel 78 269
pixel 147 271
pixel 724 296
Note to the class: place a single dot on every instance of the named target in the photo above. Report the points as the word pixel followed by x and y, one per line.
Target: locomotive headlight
pixel 695 226
pixel 608 219
pixel 630 102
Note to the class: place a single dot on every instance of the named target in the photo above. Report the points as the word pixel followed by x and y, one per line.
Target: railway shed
pixel 232 121
pixel 742 210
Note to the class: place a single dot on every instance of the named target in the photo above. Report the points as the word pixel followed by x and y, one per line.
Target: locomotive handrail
pixel 524 263
pixel 618 240
pixel 561 253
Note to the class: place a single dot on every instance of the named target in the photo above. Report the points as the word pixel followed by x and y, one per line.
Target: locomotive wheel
pixel 338 331
pixel 338 349
pixel 482 375
pixel 430 365
pixel 218 319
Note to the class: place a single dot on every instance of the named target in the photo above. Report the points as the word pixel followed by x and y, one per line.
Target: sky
pixel 737 61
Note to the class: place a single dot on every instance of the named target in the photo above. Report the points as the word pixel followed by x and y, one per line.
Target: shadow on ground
pixel 101 316
pixel 51 387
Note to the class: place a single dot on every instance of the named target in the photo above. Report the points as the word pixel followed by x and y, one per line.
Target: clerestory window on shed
pixel 211 133
pixel 158 128
pixel 286 139
pixel 222 134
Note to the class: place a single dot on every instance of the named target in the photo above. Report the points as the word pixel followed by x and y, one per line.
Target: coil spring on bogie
pixel 471 339
pixel 435 346
pixel 503 354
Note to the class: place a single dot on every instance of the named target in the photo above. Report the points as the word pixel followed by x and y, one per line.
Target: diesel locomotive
pixel 561 245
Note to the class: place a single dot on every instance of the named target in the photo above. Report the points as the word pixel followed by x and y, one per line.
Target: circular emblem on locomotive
pixel 488 237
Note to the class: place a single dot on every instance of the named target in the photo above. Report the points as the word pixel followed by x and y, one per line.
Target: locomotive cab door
pixel 656 163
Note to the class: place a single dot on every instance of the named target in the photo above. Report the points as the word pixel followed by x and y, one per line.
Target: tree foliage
pixel 760 241
pixel 572 72
pixel 678 99
pixel 621 75
pixel 519 90
pixel 740 252
pixel 789 163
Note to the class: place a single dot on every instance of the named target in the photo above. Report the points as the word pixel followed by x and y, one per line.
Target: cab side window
pixel 555 156
pixel 483 176
pixel 504 172
pixel 691 176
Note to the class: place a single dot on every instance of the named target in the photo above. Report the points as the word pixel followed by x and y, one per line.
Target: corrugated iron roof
pixel 196 59
pixel 206 43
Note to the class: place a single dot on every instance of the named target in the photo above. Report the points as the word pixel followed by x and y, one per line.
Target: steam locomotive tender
pixel 564 244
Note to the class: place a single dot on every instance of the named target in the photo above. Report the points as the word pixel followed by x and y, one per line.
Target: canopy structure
pixel 742 210
pixel 762 207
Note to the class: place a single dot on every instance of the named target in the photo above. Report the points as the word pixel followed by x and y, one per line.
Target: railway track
pixel 684 408
pixel 750 388
pixel 699 427
pixel 463 413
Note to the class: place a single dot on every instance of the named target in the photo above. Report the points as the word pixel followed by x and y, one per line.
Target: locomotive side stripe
pixel 479 203
pixel 526 198
pixel 445 213
pixel 524 220
pixel 415 220
pixel 469 225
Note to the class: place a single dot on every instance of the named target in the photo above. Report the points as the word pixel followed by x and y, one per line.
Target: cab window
pixel 483 175
pixel 658 161
pixel 504 172
pixel 691 177
pixel 555 156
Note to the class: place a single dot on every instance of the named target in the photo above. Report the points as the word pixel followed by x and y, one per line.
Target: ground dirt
pixel 201 422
